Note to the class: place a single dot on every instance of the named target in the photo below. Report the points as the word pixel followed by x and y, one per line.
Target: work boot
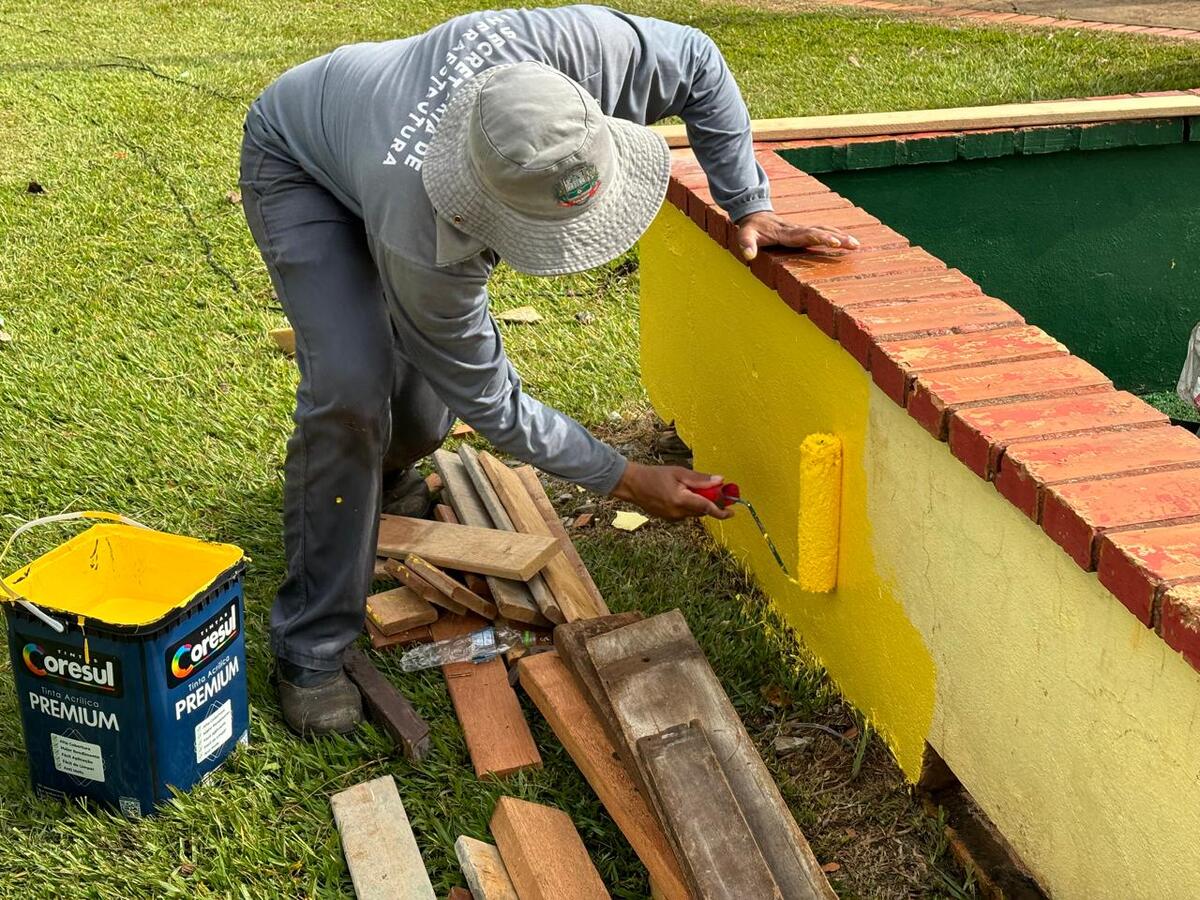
pixel 317 702
pixel 405 493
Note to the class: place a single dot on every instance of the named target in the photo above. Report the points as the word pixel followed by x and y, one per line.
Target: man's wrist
pixel 623 490
pixel 750 210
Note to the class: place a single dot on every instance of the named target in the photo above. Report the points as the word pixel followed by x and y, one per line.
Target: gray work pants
pixel 361 407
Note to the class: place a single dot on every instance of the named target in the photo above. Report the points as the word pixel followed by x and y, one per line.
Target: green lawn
pixel 139 378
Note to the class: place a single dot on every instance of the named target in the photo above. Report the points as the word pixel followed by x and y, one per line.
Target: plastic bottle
pixel 478 646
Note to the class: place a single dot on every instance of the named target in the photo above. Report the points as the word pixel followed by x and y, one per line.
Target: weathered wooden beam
pixel 422 588
pixel 571 599
pixel 655 675
pixel 561 702
pixel 512 598
pixel 533 486
pixel 399 609
pixel 381 641
pixel 482 550
pixel 498 515
pixel 484 870
pixel 543 853
pixel 388 708
pixel 702 817
pixel 965 118
pixel 571 642
pixel 459 593
pixel 378 843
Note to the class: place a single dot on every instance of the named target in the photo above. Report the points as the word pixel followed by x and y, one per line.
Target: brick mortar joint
pixel 1126 473
pixel 1160 593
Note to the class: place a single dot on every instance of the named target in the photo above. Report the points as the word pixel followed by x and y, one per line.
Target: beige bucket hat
pixel 524 162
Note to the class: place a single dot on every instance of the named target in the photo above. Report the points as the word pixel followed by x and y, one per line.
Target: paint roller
pixel 820 513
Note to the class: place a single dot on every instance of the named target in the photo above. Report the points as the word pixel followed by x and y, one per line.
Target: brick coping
pixel 989 17
pixel 1105 475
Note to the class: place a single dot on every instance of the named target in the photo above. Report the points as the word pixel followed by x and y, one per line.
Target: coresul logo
pixel 27 654
pixel 178 667
pixel 199 647
pixel 59 665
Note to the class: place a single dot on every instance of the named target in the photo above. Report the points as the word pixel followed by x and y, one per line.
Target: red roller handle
pixel 722 495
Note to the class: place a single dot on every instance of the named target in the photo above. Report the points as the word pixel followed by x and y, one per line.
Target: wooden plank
pixel 378 843
pixel 482 550
pixel 285 340
pixel 459 893
pixel 968 118
pixel 499 517
pixel 381 641
pixel 706 826
pixel 494 727
pixel 424 589
pixel 459 593
pixel 537 493
pixel 480 584
pixel 388 708
pixel 571 642
pixel 570 596
pixel 543 852
pixel 559 698
pixel 379 573
pixel 496 510
pixel 655 675
pixel 400 609
pixel 484 870
pixel 512 598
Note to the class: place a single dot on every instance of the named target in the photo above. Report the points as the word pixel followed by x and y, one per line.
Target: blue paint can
pixel 143 691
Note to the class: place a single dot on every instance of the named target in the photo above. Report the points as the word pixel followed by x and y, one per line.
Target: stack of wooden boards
pixel 640 711
pixel 638 707
pixel 498 550
pixel 633 700
pixel 500 528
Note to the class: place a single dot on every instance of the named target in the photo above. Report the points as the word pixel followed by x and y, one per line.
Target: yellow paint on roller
pixel 955 619
pixel 820 513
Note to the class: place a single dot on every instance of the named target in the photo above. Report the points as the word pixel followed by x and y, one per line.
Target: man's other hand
pixel 663 491
pixel 763 229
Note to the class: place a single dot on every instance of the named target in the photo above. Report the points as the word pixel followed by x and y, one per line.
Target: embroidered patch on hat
pixel 578 186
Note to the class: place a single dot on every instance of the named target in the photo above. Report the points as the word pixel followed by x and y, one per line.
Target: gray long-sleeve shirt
pixel 359 120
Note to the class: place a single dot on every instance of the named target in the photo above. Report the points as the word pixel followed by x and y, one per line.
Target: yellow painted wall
pixel 956 620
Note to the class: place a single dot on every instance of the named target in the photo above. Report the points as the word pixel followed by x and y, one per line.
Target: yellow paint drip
pixel 122 575
pixel 820 513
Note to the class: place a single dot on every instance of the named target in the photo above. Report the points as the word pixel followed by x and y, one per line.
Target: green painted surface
pixel 835 154
pixel 1102 249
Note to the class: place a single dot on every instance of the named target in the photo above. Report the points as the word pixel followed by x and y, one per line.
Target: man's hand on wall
pixel 664 491
pixel 762 229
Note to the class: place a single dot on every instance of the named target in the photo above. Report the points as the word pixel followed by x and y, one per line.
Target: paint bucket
pixel 128 656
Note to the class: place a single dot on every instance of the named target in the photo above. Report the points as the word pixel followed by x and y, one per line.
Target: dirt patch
pixel 1165 13
pixel 869 823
